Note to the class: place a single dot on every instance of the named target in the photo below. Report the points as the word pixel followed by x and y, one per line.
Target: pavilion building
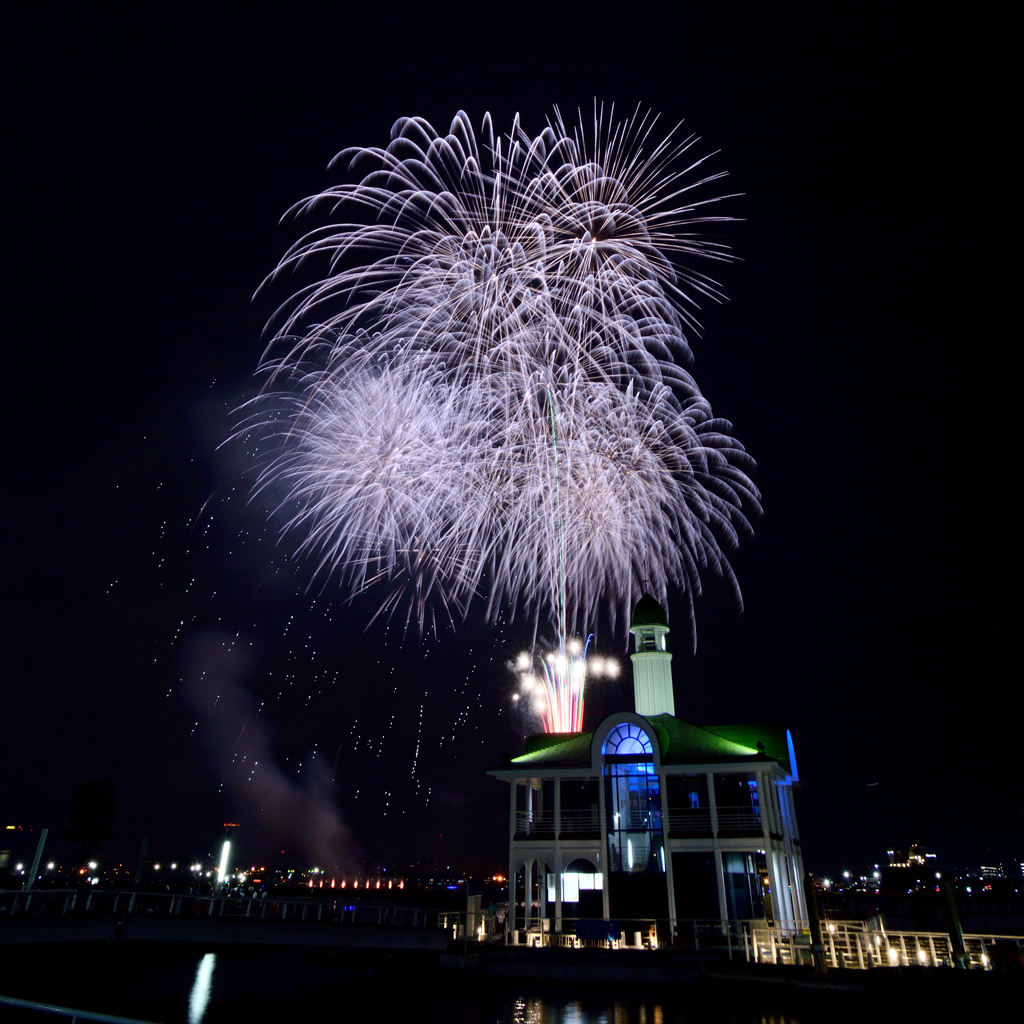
pixel 651 818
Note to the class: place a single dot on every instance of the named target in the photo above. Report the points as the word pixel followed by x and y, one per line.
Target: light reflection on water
pixel 551 1008
pixel 202 987
pixel 267 986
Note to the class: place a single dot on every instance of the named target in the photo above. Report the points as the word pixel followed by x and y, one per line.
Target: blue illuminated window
pixel 627 739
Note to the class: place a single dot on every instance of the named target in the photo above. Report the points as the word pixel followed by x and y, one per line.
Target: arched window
pixel 627 739
pixel 632 801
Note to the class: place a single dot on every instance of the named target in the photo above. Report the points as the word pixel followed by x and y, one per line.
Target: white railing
pixel 636 821
pixel 713 936
pixel 543 823
pixel 683 821
pixel 575 822
pixel 731 819
pixel 535 822
pixel 853 944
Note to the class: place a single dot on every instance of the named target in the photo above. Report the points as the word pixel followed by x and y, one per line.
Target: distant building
pixel 650 817
pixel 910 869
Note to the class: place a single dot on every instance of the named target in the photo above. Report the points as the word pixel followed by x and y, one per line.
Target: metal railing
pixel 635 933
pixel 541 823
pixel 681 821
pixel 66 1011
pixel 697 820
pixel 731 819
pixel 857 945
pixel 336 909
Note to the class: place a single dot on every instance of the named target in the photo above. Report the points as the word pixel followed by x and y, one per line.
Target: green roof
pixel 687 742
pixel 772 735
pixel 572 748
pixel 679 742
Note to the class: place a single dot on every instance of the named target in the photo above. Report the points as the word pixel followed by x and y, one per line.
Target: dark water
pixel 166 984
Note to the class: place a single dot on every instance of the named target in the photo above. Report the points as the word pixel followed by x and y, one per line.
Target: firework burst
pixel 484 396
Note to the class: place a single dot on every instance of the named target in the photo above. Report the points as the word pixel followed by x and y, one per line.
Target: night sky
pixel 160 635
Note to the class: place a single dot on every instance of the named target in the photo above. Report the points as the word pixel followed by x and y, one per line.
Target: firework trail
pixel 554 684
pixel 485 395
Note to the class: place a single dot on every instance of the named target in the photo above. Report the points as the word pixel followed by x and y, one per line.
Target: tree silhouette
pixel 91 818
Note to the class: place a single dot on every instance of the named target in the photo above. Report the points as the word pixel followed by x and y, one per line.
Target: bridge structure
pixel 326 922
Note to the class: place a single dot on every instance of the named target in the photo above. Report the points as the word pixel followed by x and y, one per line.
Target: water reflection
pixel 199 997
pixel 551 1008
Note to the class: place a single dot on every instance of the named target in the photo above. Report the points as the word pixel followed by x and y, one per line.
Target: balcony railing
pixel 733 819
pixel 693 822
pixel 580 822
pixel 637 821
pixel 542 823
pixel 681 822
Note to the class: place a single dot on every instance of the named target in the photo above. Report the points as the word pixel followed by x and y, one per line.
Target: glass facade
pixel 632 802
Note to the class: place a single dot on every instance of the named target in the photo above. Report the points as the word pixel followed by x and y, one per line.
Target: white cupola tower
pixel 652 663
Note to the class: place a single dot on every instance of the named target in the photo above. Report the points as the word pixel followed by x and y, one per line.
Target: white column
pixel 778 906
pixel 723 903
pixel 784 872
pixel 780 883
pixel 529 892
pixel 557 865
pixel 764 803
pixel 513 788
pixel 542 869
pixel 603 862
pixel 669 871
pixel 792 862
pixel 712 804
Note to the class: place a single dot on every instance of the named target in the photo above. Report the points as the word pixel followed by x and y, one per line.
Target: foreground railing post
pixel 817 946
pixel 38 857
pixel 956 932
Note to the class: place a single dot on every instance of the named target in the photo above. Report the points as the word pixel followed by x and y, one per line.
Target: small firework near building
pixel 651 819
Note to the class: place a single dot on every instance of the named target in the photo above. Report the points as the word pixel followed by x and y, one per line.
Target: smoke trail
pixel 303 813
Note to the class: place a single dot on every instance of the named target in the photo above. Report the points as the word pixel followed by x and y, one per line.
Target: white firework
pixel 485 395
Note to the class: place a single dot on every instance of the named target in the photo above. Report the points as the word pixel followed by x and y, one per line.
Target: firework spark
pixel 554 684
pixel 484 396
